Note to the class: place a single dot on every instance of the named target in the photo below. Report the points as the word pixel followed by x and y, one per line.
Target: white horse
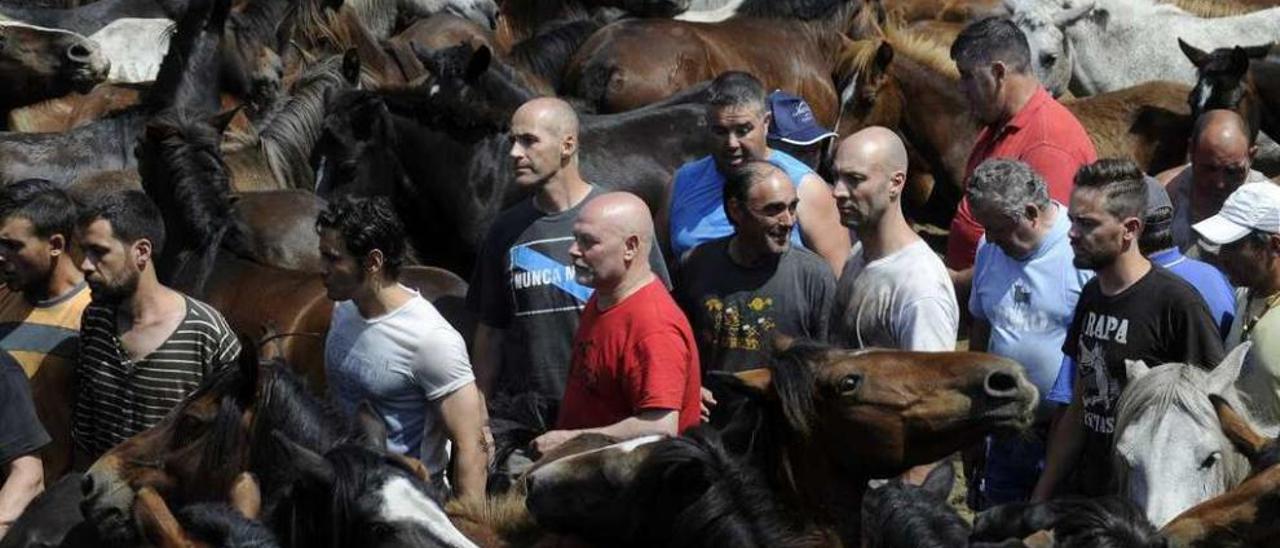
pixel 1170 451
pixel 135 47
pixel 1051 54
pixel 1121 43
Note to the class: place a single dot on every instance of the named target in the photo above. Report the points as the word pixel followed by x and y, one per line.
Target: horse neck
pixel 188 79
pixel 289 135
pixel 937 122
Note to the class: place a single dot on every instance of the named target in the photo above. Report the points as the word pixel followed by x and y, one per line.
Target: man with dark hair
pixel 739 119
pixel 1221 152
pixel 391 348
pixel 1131 310
pixel 1247 232
pixel 143 347
pixel 1021 121
pixel 1024 294
pixel 41 305
pixel 740 290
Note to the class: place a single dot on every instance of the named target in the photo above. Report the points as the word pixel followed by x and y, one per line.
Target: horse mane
pixel 506 514
pixel 1106 522
pixel 546 53
pixel 1211 8
pixel 857 56
pixel 222 526
pixel 907 515
pixel 289 132
pixel 702 496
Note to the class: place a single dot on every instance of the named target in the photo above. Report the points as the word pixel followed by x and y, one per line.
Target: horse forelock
pixel 857 56
pixel 794 383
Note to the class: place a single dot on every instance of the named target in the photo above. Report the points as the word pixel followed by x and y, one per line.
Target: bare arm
pixel 647 422
pixel 1066 440
pixel 25 481
pixel 979 335
pixel 465 419
pixel 486 356
pixel 820 226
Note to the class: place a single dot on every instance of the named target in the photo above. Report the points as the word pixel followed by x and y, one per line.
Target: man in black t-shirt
pixel 740 290
pixel 1132 310
pixel 21 438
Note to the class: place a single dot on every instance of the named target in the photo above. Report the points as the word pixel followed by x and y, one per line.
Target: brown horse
pixel 637 62
pixel 1243 516
pixel 908 83
pixel 1244 78
pixel 820 422
pixel 37 63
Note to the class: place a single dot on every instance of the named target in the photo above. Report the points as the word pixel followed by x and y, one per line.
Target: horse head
pixel 1223 81
pixel 40 63
pixel 1170 451
pixel 472 77
pixel 205 525
pixel 1045 28
pixel 878 412
pixel 356 494
pixel 865 95
pixel 356 150
pixel 193 454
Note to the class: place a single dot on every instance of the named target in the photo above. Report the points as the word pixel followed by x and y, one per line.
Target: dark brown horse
pixel 821 421
pixel 1244 78
pixel 908 83
pixel 38 63
pixel 637 62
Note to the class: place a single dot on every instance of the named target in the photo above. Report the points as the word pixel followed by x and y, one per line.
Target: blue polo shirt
pixel 697 201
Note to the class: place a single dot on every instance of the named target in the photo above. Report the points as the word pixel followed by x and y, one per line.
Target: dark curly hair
pixel 367 224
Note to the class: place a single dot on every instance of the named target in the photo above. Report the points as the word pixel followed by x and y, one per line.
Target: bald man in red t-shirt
pixel 634 370
pixel 1021 122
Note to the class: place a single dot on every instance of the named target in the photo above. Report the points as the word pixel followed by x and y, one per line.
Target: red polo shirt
pixel 1044 135
pixel 636 356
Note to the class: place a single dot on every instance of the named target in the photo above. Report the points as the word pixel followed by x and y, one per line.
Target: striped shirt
pixel 117 397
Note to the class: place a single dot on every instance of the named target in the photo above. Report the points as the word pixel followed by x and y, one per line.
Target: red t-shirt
pixel 1044 135
pixel 638 355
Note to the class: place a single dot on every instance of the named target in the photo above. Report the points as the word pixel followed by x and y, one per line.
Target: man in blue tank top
pixel 739 120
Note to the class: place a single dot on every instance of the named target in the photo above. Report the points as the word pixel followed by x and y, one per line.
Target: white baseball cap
pixel 1253 206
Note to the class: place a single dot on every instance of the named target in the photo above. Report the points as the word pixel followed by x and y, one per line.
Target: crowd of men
pixel 606 321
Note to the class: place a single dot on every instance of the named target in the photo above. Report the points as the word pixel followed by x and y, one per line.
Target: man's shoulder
pixel 808 262
pixel 205 315
pixel 1175 290
pixel 695 166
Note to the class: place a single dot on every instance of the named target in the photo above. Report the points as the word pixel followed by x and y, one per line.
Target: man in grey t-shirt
pixel 740 290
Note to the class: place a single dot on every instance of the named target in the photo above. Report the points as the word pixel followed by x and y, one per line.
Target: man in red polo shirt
pixel 1021 121
pixel 634 369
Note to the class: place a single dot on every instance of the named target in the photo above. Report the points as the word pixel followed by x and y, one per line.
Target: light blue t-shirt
pixel 1209 282
pixel 1029 302
pixel 697 201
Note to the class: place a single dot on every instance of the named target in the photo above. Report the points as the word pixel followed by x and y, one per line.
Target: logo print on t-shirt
pixel 535 267
pixel 740 324
pixel 1100 394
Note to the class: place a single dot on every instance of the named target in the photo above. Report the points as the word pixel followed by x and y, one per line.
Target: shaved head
pixel 553 115
pixel 879 146
pixel 1221 129
pixel 611 241
pixel 622 212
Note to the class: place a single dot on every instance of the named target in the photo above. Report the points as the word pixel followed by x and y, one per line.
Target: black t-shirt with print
pixel 1159 319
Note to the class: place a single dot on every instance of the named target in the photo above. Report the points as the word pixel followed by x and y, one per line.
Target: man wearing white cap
pixel 1247 231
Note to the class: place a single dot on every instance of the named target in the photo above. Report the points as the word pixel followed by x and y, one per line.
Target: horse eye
pixel 1048 58
pixel 1210 460
pixel 850 383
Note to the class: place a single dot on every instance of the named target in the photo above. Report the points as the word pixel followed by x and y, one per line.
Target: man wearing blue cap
pixel 795 131
pixel 739 119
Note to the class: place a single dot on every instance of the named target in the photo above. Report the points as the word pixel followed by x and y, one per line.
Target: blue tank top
pixel 697 201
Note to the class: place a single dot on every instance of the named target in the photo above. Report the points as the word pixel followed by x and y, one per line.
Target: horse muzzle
pixel 108 502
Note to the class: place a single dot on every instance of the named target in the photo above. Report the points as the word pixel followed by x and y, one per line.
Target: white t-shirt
pixel 904 300
pixel 401 363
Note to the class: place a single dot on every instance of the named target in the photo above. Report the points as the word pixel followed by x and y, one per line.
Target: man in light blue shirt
pixel 1024 296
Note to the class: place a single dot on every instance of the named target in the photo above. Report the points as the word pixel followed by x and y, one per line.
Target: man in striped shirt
pixel 143 346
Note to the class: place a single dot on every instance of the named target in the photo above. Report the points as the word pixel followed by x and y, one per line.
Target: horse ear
pixel 333 5
pixel 884 56
pixel 246 496
pixel 1135 369
pixel 218 15
pixel 1257 52
pixel 157 522
pixel 249 368
pixel 310 465
pixel 351 66
pixel 940 480
pixel 1068 17
pixel 371 428
pixel 1237 429
pixel 1224 376
pixel 478 64
pixel 1196 55
pixel 1239 61
pixel 757 380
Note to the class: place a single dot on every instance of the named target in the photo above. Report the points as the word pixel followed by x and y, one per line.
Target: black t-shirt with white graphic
pixel 1159 319
pixel 523 283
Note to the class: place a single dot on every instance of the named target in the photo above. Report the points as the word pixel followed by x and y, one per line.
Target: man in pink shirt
pixel 1021 121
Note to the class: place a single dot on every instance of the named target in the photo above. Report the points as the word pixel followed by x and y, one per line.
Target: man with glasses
pixel 1221 152
pixel 1247 229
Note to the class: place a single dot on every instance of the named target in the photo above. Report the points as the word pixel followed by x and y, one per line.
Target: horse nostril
pixel 86 485
pixel 1001 384
pixel 79 53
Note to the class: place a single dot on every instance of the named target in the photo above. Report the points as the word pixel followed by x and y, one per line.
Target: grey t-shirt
pixel 735 310
pixel 904 300
pixel 523 283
